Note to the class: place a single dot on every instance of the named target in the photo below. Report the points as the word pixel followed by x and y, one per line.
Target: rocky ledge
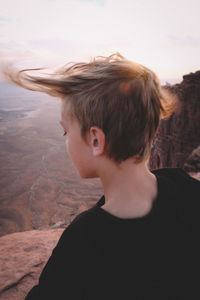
pixel 22 257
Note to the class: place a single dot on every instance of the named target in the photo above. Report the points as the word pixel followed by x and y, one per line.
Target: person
pixel 140 240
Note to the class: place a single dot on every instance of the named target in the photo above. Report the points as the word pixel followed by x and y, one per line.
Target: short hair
pixel 119 96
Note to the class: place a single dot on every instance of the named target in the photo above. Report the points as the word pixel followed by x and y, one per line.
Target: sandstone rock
pixel 192 164
pixel 22 258
pixel 178 136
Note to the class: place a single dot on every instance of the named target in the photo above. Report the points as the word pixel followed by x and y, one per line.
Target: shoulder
pixel 177 175
pixel 170 171
pixel 81 226
pixel 64 270
pixel 181 186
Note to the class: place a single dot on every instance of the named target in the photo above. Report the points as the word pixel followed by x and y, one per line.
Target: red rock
pixel 192 163
pixel 22 258
pixel 178 136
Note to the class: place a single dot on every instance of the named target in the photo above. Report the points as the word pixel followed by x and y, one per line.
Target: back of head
pixel 119 96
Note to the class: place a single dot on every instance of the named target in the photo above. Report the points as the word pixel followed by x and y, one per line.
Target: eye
pixel 65 133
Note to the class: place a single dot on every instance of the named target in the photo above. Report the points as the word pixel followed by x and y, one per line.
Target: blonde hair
pixel 119 96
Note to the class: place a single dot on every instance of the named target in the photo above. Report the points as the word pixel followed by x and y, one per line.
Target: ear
pixel 97 140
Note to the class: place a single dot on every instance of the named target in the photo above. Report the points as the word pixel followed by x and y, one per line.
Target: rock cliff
pixel 192 163
pixel 178 136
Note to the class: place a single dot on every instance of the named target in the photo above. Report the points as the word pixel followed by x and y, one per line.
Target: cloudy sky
pixel 163 35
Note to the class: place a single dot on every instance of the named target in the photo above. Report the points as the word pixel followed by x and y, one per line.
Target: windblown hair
pixel 119 96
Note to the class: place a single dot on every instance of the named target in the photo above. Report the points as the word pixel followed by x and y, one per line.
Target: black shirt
pixel 102 256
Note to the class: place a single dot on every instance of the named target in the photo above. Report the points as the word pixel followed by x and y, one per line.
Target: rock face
pixel 178 136
pixel 192 164
pixel 22 258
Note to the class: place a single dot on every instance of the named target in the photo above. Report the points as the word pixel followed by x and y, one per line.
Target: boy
pixel 140 239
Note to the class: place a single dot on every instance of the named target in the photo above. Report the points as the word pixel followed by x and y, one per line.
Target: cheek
pixel 68 147
pixel 72 151
pixel 66 143
pixel 80 159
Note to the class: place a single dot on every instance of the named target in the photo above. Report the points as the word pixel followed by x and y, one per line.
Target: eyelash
pixel 65 133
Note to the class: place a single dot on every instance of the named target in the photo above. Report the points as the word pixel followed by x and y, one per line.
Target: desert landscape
pixel 41 192
pixel 40 188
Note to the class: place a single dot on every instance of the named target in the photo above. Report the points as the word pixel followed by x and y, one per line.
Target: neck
pixel 129 188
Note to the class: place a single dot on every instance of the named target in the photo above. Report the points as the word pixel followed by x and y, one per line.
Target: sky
pixel 162 35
